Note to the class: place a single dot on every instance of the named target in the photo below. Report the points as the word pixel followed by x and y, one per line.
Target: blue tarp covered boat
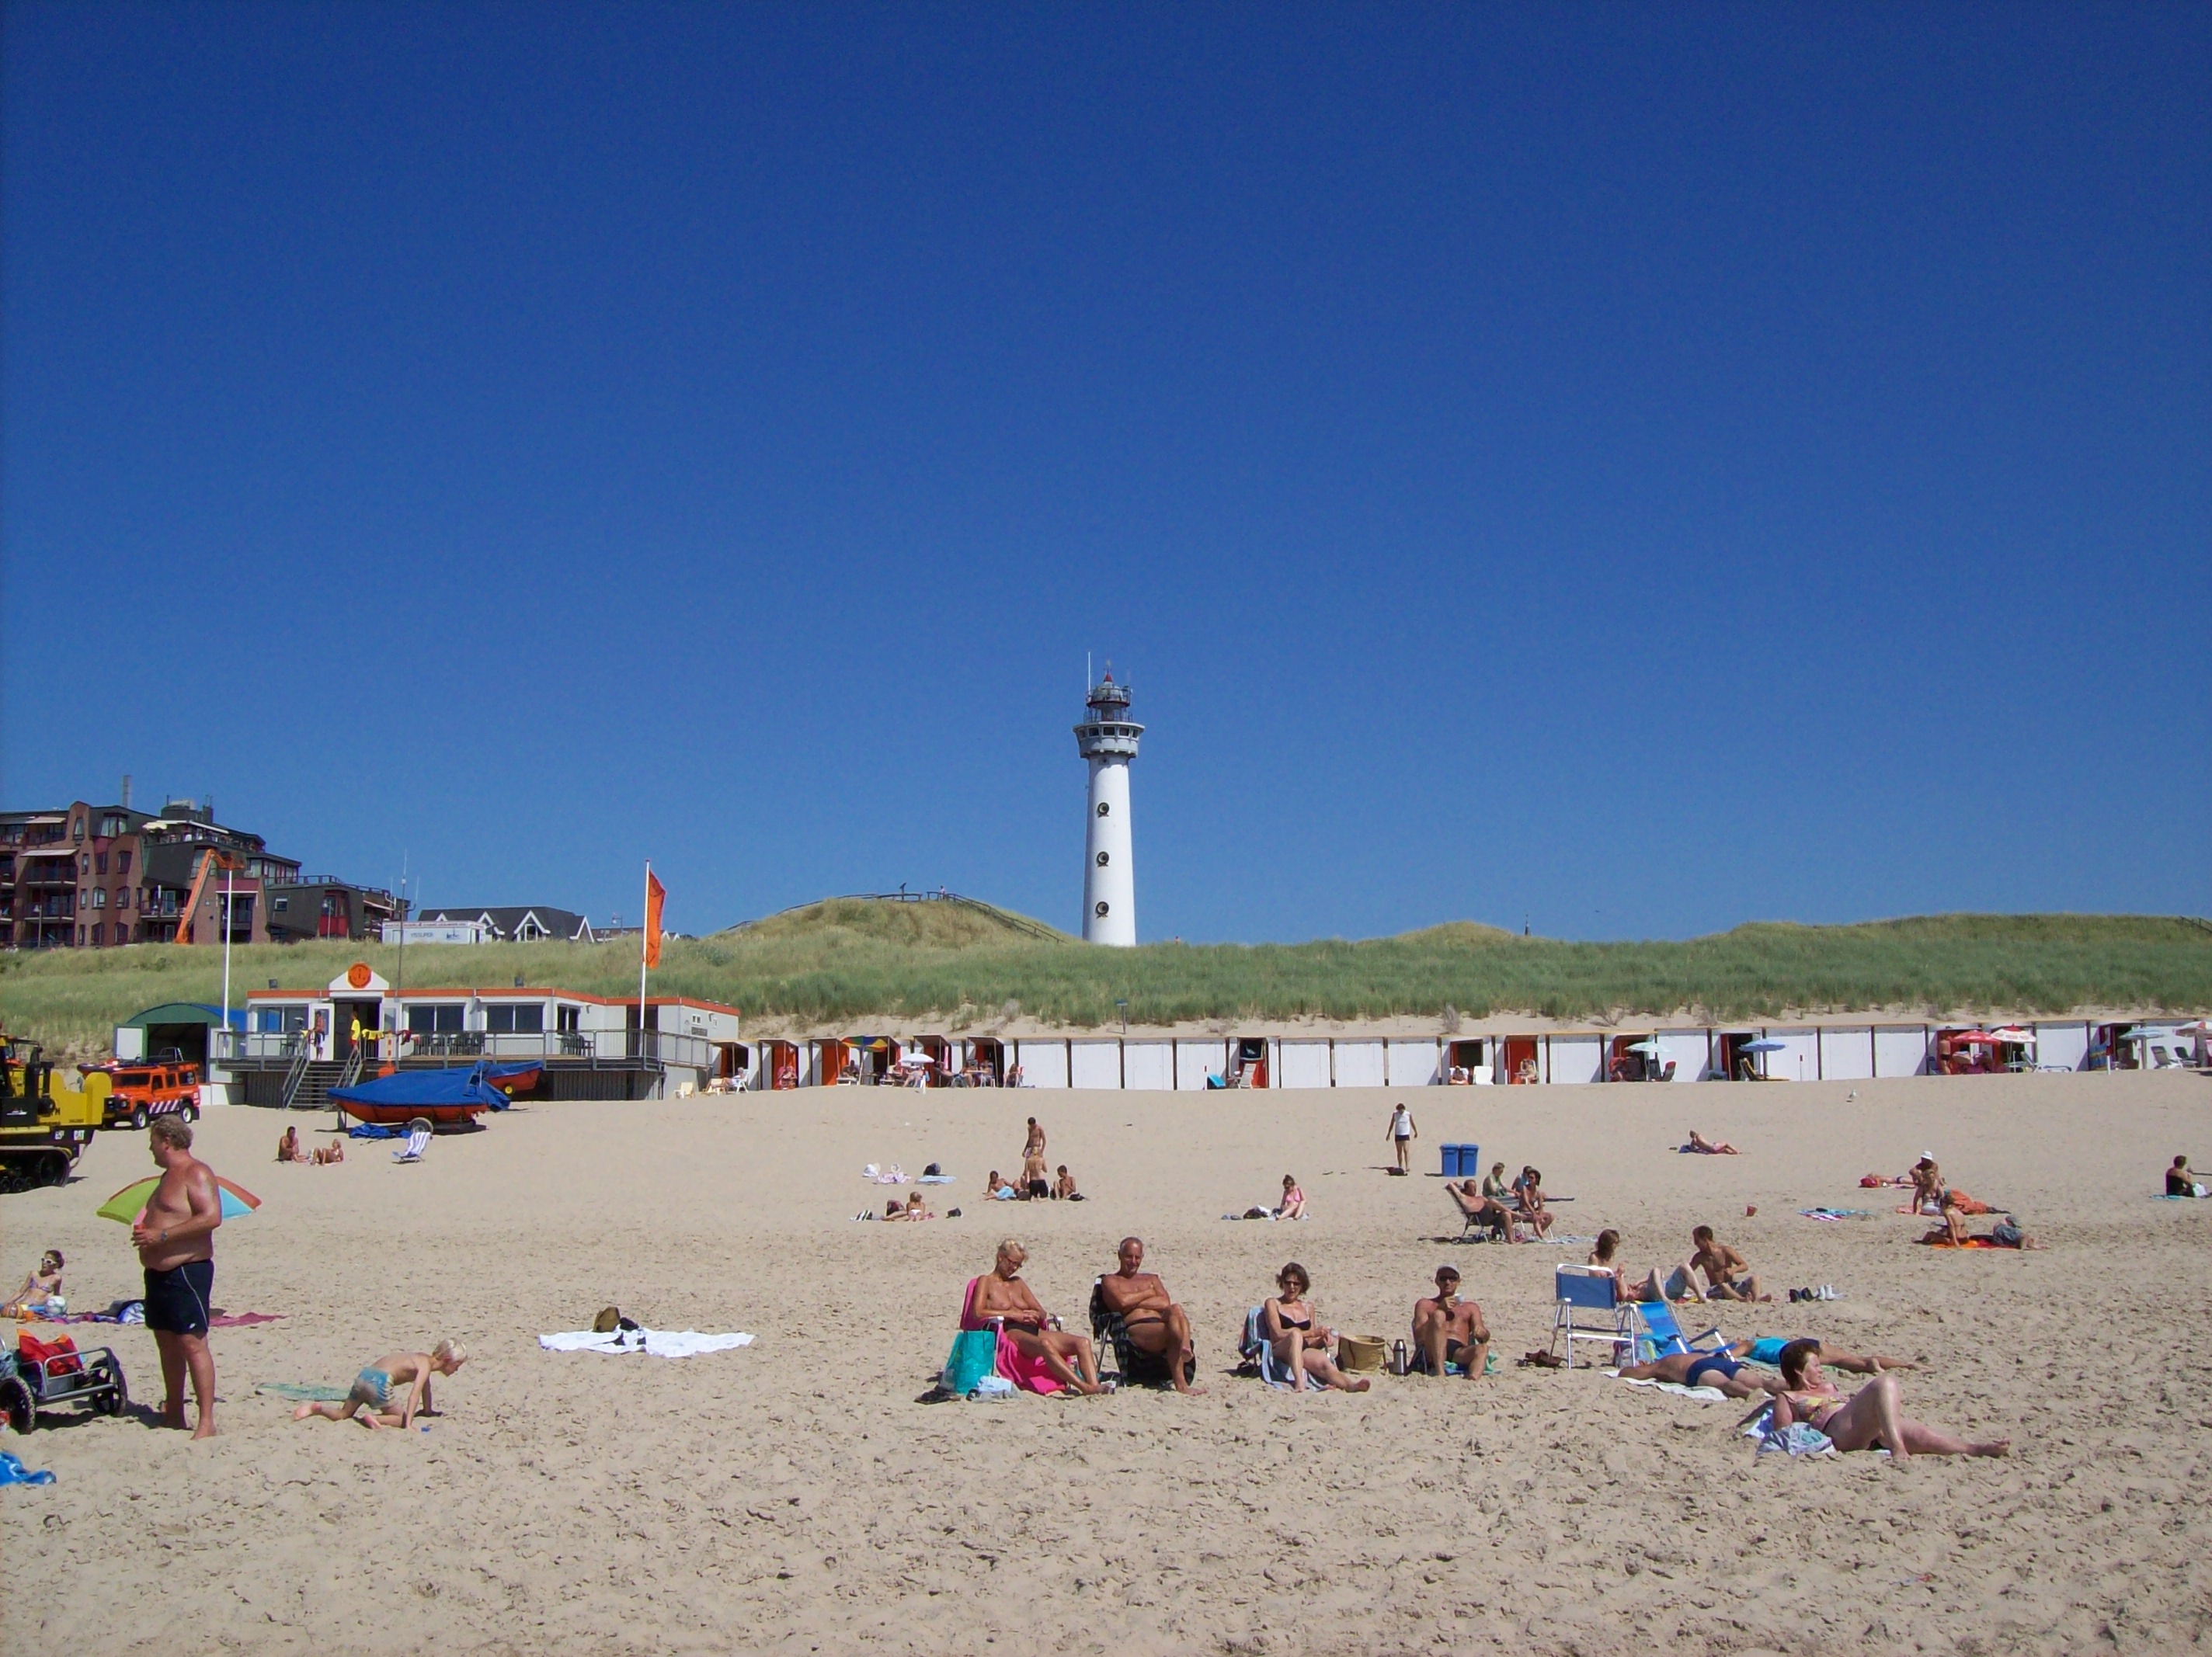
pixel 445 1097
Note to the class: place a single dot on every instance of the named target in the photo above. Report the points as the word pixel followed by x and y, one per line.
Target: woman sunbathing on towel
pixel 1705 1147
pixel 41 1290
pixel 1532 1212
pixel 1000 1293
pixel 1870 1418
pixel 1300 1342
pixel 333 1152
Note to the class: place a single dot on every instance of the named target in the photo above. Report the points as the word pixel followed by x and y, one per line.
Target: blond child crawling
pixel 402 1375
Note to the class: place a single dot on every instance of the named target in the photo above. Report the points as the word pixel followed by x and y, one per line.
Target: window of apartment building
pixel 100 897
pixel 516 1020
pixel 122 897
pixel 76 831
pixel 123 861
pixel 99 863
pixel 443 1019
pixel 280 905
pixel 110 826
pixel 95 934
pixel 84 863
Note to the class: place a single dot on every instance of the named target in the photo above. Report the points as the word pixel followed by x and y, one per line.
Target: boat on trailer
pixel 444 1098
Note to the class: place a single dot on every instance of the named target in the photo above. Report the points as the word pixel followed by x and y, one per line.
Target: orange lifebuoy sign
pixel 358 975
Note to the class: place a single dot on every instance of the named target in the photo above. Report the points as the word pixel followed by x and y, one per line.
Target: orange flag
pixel 655 896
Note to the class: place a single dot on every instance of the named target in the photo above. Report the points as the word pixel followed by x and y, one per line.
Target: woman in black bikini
pixel 1870 1418
pixel 1300 1342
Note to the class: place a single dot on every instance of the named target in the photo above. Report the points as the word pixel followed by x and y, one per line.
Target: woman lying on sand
pixel 1705 1147
pixel 1870 1418
pixel 370 1400
pixel 1301 1342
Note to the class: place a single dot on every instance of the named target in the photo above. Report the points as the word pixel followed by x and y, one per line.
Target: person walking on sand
pixel 1402 1134
pixel 1158 1326
pixel 1034 1145
pixel 174 1235
pixel 1448 1329
pixel 369 1402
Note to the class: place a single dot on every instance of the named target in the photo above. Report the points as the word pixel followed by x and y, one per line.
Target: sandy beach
pixel 793 1496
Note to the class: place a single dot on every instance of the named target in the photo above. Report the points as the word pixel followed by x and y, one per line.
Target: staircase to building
pixel 307 1084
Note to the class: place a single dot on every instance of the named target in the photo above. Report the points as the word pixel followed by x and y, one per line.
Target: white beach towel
pixel 653 1342
pixel 1703 1394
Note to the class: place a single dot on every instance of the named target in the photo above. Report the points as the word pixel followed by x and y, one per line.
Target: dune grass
pixel 838 963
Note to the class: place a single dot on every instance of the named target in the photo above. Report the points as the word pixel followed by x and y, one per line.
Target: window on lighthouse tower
pixel 1102 859
pixel 1100 909
pixel 1103 807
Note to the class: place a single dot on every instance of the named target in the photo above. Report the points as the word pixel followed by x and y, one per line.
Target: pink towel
pixel 1030 1374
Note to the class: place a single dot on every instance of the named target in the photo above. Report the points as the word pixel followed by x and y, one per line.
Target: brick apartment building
pixel 93 877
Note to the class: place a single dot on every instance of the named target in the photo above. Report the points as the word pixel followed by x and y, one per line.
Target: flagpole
pixel 646 915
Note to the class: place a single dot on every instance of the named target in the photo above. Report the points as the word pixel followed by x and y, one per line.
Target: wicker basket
pixel 1361 1353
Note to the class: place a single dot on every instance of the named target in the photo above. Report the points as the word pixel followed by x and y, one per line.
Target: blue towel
pixel 13 1472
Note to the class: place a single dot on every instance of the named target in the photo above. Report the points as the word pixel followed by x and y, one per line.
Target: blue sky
pixel 1637 472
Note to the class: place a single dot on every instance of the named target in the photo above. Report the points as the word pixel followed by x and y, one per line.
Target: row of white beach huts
pixel 1824 1052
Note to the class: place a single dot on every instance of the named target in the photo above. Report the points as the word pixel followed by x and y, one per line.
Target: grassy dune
pixel 846 959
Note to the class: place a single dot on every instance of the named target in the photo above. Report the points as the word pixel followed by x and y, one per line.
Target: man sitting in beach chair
pixel 1447 1330
pixel 1478 1212
pixel 1151 1334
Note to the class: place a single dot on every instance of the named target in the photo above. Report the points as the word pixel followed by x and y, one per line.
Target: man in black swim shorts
pixel 175 1238
pixel 1447 1330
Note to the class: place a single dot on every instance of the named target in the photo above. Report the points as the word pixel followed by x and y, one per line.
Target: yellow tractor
pixel 43 1121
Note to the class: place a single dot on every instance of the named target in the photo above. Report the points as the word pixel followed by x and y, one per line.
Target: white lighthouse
pixel 1108 741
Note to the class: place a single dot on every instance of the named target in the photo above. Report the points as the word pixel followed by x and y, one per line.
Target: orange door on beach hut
pixel 1519 1053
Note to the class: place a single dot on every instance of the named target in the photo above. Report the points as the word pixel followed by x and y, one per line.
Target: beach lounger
pixel 417 1143
pixel 1110 1332
pixel 1583 1309
pixel 1472 1219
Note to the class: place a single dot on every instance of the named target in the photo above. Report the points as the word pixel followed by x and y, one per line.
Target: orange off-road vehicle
pixel 145 1089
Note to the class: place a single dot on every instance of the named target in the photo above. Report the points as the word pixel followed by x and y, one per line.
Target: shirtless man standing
pixel 1000 1293
pixel 174 1234
pixel 1447 1329
pixel 1157 1326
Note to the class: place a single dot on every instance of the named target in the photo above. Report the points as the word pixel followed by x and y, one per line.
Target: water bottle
pixel 1398 1365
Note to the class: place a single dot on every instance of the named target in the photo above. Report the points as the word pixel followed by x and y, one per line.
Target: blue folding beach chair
pixel 1583 1309
pixel 1661 1336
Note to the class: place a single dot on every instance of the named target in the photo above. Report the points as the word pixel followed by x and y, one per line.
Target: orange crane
pixel 216 860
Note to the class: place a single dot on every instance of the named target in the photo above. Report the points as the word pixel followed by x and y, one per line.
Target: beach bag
pixel 975 1355
pixel 54 1357
pixel 1360 1354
